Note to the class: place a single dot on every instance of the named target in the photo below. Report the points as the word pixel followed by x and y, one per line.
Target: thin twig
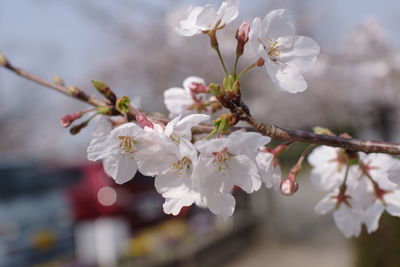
pixel 266 129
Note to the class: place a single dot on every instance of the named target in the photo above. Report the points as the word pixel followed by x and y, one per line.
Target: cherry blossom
pixel 286 55
pixel 119 149
pixel 154 160
pixel 347 218
pixel 174 165
pixel 228 159
pixel 186 100
pixel 205 18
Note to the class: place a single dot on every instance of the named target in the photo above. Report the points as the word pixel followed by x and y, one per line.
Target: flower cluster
pixel 204 170
pixel 361 187
pixel 203 173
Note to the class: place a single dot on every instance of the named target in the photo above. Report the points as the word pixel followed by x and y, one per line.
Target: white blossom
pixel 346 218
pixel 286 55
pixel 119 149
pixel 206 18
pixel 155 160
pixel 230 160
pixel 183 100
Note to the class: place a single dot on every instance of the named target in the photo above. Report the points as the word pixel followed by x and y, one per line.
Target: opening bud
pixel 122 104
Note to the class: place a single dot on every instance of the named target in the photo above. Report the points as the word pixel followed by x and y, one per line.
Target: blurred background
pixel 57 209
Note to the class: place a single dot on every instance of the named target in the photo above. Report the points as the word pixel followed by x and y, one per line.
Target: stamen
pixel 128 145
pixel 179 167
pixel 175 138
pixel 273 50
pixel 221 160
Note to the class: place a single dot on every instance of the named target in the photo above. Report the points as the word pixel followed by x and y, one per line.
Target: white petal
pixel 372 216
pixel 207 147
pixel 184 126
pixel 255 36
pixel 286 77
pixel 171 186
pixel 207 18
pixel 228 11
pixel 188 27
pixel 278 23
pixel 347 221
pixel 393 203
pixel 243 173
pixel 222 205
pixel 394 173
pixel 302 55
pixel 169 128
pixel 101 126
pixel 326 205
pixel 246 142
pixel 177 101
pixel 325 178
pixel 270 170
pixel 155 160
pixel 174 206
pixel 126 170
pixel 102 147
pixel 321 155
pixel 126 129
pixel 187 149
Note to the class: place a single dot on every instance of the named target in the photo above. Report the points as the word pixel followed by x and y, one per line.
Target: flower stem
pixel 346 174
pixel 236 63
pixel 221 59
pixel 246 70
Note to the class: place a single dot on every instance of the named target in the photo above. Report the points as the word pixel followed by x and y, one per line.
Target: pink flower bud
pixel 242 35
pixel 288 187
pixel 68 119
pixel 198 88
pixel 143 120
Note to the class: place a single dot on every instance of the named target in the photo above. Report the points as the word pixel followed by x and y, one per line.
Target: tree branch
pixel 272 131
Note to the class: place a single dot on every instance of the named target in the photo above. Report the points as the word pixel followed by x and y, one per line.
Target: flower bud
pixel 323 131
pixel 260 62
pixel 68 119
pixel 198 88
pixel 76 129
pixel 105 90
pixel 242 36
pixel 288 187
